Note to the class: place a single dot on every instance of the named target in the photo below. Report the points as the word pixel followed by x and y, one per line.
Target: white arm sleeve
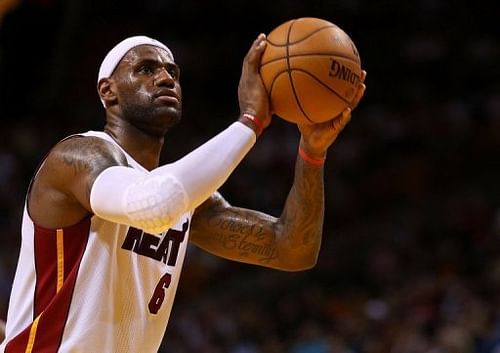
pixel 154 201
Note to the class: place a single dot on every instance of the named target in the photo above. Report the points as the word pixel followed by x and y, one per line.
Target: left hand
pixel 316 138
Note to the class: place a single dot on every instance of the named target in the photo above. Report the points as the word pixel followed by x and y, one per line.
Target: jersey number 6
pixel 159 294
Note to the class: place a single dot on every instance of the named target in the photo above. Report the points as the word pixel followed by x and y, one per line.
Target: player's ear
pixel 105 90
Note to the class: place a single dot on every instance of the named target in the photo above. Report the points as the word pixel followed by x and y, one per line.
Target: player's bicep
pixel 77 162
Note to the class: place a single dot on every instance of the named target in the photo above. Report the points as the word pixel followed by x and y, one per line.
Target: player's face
pixel 148 89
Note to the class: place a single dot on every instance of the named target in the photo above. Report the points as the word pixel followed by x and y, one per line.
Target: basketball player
pixel 105 228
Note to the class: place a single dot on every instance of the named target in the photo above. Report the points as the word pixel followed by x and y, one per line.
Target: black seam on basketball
pixel 290 73
pixel 323 84
pixel 310 54
pixel 273 81
pixel 300 40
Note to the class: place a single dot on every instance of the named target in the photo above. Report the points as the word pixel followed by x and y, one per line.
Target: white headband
pixel 114 56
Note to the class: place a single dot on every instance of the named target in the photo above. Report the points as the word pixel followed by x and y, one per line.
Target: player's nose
pixel 164 78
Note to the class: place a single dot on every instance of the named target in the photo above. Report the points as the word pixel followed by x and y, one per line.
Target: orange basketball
pixel 311 69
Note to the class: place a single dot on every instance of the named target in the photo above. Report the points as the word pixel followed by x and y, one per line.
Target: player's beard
pixel 152 119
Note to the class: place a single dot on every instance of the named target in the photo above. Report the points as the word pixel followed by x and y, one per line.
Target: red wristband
pixel 309 159
pixel 259 125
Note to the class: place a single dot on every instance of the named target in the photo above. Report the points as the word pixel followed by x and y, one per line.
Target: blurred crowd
pixel 410 261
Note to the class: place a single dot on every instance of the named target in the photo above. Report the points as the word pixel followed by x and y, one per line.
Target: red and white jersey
pixel 95 286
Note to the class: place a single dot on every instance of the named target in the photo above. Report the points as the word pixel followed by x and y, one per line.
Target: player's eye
pixel 145 69
pixel 173 72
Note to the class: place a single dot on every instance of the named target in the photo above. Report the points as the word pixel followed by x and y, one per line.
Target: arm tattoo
pixel 73 157
pixel 292 241
pixel 246 234
pixel 85 155
pixel 90 156
pixel 302 217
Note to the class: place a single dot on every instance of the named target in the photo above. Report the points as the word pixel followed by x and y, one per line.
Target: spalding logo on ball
pixel 311 69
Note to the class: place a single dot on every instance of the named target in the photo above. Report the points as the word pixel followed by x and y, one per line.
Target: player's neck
pixel 141 146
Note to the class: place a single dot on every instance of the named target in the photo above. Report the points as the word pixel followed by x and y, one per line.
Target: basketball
pixel 310 69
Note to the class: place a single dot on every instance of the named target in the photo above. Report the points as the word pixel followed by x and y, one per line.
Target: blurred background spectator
pixel 410 259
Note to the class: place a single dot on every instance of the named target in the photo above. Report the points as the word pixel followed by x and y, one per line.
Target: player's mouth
pixel 167 97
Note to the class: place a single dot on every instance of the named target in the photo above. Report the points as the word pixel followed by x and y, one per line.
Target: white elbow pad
pixel 156 203
pixel 127 196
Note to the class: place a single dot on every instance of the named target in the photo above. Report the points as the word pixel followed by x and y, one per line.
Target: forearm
pixel 154 201
pixel 206 168
pixel 300 225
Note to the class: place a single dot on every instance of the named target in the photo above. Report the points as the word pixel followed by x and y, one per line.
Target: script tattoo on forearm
pixel 240 231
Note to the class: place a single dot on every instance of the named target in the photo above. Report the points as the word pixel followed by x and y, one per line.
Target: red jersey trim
pixel 58 254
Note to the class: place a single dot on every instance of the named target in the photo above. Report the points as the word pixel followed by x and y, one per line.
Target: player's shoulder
pixel 87 149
